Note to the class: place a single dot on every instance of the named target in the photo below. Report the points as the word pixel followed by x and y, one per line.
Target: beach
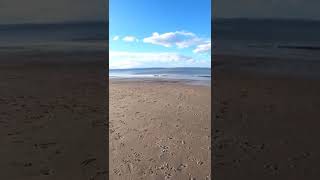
pixel 159 129
pixel 53 115
pixel 265 118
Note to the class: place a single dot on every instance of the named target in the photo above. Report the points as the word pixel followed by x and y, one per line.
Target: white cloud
pixel 203 48
pixel 181 39
pixel 129 38
pixel 122 59
pixel 115 38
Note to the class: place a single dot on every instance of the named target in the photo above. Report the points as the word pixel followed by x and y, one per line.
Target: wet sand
pixel 159 130
pixel 265 122
pixel 52 116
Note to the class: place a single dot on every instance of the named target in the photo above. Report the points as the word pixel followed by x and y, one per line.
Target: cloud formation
pixel 129 39
pixel 203 48
pixel 115 38
pixel 181 39
pixel 123 59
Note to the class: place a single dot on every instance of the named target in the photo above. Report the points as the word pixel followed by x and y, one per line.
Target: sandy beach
pixel 265 119
pixel 53 116
pixel 159 130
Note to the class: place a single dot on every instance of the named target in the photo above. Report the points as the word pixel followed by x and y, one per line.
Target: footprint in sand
pixel 199 162
pixel 45 171
pixel 28 164
pixel 118 136
pixel 181 167
pixel 164 148
pixel 88 161
pixel 130 167
pixel 117 172
pixel 45 145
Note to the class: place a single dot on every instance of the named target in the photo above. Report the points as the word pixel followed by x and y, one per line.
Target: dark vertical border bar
pixel 212 83
pixel 107 89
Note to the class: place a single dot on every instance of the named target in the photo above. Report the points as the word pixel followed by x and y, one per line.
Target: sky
pixel 48 11
pixel 159 33
pixel 294 9
pixel 52 11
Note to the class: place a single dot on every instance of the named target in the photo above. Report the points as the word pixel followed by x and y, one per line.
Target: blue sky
pixel 159 33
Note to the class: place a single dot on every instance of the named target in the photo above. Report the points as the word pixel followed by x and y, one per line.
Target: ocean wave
pixel 207 76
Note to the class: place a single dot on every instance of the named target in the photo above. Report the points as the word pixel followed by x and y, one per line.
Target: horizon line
pixel 55 23
pixel 267 18
pixel 158 67
pixel 212 20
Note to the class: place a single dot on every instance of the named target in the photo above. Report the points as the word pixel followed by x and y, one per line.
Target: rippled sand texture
pixel 159 130
pixel 265 121
pixel 52 117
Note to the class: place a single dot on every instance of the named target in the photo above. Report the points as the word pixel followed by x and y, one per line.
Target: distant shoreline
pixel 163 80
pixel 188 75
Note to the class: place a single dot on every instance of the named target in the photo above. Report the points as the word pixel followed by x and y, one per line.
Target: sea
pixel 291 38
pixel 297 41
pixel 65 37
pixel 77 37
pixel 190 75
pixel 288 46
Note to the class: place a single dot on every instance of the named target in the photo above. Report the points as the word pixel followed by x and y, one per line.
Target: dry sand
pixel 52 116
pixel 266 125
pixel 159 130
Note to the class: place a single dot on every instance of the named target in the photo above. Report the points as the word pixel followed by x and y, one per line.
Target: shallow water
pixel 268 38
pixel 201 76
